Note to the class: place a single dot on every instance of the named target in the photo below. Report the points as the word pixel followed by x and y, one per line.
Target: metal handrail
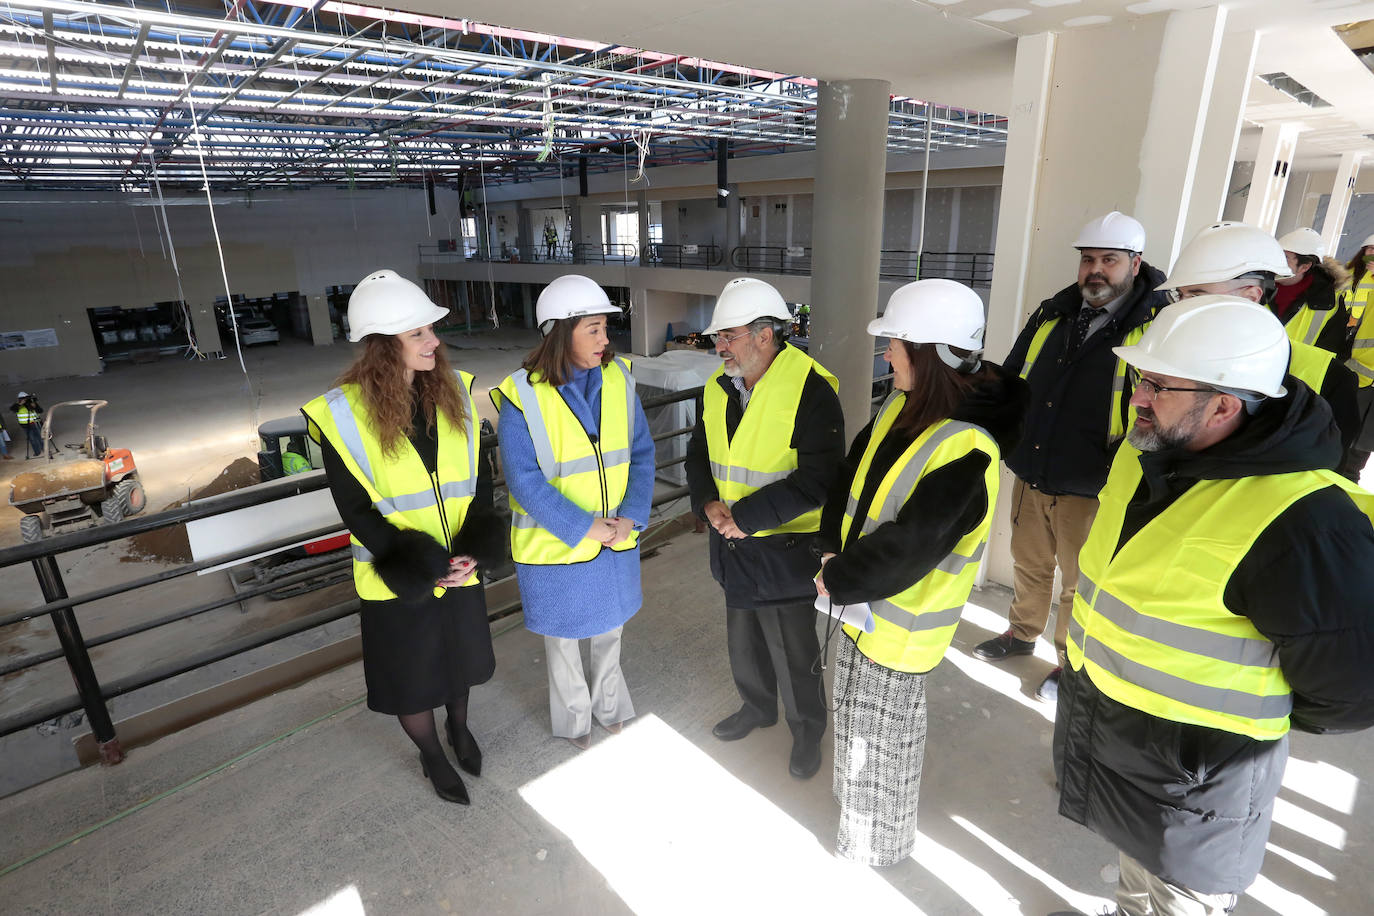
pixel 665 255
pixel 91 692
pixel 772 259
pixel 604 252
pixel 971 267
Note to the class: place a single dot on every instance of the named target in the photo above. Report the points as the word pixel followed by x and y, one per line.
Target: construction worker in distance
pixel 1238 259
pixel 1311 300
pixel 1361 268
pixel 30 416
pixel 1078 412
pixel 1224 597
pixel 767 446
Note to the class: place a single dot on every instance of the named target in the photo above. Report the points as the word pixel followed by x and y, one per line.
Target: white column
pixel 1300 187
pixel 1341 190
pixel 1220 135
pixel 851 164
pixel 1278 141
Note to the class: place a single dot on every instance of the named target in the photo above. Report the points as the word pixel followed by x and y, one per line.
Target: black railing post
pixel 78 660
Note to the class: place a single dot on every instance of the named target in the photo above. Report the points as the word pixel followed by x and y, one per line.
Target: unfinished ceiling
pixel 254 94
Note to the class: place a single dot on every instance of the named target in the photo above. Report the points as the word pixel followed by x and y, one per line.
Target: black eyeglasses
pixel 1154 389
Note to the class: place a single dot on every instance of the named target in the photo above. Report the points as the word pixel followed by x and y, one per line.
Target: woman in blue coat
pixel 579 464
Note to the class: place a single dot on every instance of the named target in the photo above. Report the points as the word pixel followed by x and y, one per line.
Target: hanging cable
pixel 491 281
pixel 193 347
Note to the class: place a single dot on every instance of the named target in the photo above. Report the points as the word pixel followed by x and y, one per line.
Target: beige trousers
pixel 1046 531
pixel 1140 893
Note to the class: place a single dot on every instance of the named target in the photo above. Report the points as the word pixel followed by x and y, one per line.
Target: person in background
pixel 1310 300
pixel 30 416
pixel 579 463
pixel 903 530
pixel 768 442
pixel 1078 413
pixel 5 441
pixel 1224 598
pixel 1361 280
pixel 401 453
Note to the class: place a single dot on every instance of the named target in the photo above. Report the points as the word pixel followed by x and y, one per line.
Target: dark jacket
pixel 1065 448
pixel 777 568
pixel 1194 804
pixel 1322 294
pixel 1339 390
pixel 947 503
pixel 31 401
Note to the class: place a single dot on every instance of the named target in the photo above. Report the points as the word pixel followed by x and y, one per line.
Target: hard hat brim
pixel 1136 356
pixel 430 316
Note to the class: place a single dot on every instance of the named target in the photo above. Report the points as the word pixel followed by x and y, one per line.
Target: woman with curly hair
pixel 400 446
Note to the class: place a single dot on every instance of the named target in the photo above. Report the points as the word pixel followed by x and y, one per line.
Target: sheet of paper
pixel 855 615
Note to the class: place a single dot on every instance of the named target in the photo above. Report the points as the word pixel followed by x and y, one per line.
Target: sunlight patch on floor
pixel 344 902
pixel 672 831
pixel 1084 903
pixel 1323 783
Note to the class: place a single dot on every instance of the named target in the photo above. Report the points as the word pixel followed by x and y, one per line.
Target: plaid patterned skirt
pixel 880 737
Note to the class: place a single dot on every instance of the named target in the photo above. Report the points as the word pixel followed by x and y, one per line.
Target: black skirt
pixel 425 654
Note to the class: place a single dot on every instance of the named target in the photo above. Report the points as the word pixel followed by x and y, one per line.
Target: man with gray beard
pixel 1224 596
pixel 1078 413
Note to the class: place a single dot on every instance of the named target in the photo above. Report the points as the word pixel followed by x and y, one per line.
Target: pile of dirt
pixel 171 544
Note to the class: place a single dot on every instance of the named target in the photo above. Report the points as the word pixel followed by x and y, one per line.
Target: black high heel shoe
pixel 465 747
pixel 454 792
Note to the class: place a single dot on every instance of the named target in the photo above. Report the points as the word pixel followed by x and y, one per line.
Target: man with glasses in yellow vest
pixel 1077 414
pixel 1224 596
pixel 766 449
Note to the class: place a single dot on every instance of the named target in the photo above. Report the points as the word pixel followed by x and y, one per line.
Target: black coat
pixel 1322 295
pixel 1193 804
pixel 778 568
pixel 1065 448
pixel 946 504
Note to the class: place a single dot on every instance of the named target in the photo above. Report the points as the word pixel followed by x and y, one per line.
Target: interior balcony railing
pixel 669 255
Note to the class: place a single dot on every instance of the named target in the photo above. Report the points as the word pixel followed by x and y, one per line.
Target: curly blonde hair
pixel 380 375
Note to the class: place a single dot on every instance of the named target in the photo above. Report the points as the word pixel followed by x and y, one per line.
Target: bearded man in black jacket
pixel 1078 412
pixel 1224 597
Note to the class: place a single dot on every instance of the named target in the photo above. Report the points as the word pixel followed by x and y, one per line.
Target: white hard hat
pixel 23 394
pixel 1115 230
pixel 933 311
pixel 1367 242
pixel 571 296
pixel 1225 251
pixel 1303 241
pixel 387 303
pixel 743 300
pixel 1217 340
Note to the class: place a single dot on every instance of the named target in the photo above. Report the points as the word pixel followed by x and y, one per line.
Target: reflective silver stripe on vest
pixel 534 419
pixel 362 554
pixel 955 563
pixel 1318 322
pixel 910 622
pixel 1236 650
pixel 750 478
pixel 1217 699
pixel 1360 368
pixel 1118 382
pixel 469 431
pixel 629 403
pixel 522 519
pixel 347 425
pixel 615 458
pixel 1363 343
pixel 906 481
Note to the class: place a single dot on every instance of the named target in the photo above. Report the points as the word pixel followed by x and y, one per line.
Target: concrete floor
pixel 306 798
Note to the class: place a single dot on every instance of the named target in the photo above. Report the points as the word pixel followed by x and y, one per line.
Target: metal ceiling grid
pixel 106 95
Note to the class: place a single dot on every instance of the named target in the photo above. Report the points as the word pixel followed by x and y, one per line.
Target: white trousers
pixel 1140 893
pixel 573 702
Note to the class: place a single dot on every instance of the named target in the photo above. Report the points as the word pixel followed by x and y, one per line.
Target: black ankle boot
pixel 465 747
pixel 448 785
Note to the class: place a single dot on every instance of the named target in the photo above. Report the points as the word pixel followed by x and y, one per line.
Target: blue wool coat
pixel 577 600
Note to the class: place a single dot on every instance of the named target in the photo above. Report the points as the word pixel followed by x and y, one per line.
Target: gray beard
pixel 1112 292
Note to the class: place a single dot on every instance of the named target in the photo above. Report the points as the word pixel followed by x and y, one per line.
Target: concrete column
pixel 642 202
pixel 1125 117
pixel 1341 190
pixel 321 333
pixel 1300 187
pixel 1278 142
pixel 672 229
pixel 653 310
pixel 1221 133
pixel 851 161
pixel 524 233
pixel 586 219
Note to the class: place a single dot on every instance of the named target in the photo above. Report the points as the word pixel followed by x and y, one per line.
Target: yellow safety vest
pixel 1361 360
pixel 1307 325
pixel 1120 413
pixel 761 451
pixel 1310 364
pixel 1150 625
pixel 913 628
pixel 27 415
pixel 593 475
pixel 400 488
